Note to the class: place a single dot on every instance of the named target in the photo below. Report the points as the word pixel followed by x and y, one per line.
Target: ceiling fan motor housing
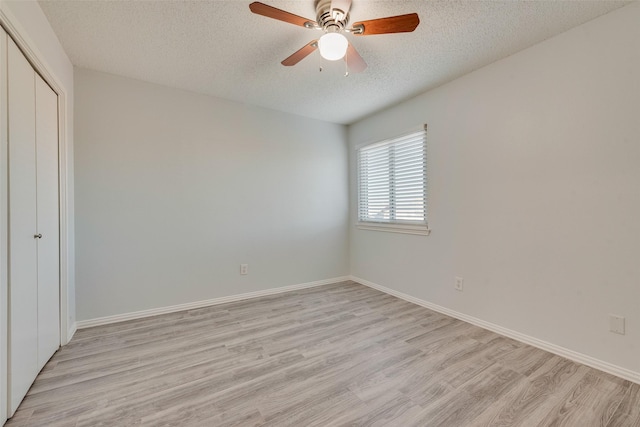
pixel 329 20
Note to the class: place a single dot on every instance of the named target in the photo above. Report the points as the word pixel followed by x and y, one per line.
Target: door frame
pixel 67 324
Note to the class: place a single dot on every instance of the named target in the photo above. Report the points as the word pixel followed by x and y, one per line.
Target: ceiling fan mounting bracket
pixel 330 20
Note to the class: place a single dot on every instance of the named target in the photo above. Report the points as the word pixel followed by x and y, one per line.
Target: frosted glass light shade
pixel 333 46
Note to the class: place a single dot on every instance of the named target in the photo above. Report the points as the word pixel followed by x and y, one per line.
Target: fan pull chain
pixel 346 64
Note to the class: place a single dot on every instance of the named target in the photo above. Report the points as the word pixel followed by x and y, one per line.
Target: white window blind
pixel 392 181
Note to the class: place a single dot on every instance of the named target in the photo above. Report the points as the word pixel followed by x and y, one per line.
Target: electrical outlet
pixel 459 284
pixel 616 324
pixel 244 269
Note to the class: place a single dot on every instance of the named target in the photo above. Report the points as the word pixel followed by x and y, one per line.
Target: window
pixel 392 184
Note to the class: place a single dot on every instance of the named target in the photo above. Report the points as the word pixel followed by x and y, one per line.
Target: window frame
pixel 393 225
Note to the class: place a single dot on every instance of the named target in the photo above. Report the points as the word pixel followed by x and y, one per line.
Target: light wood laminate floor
pixel 334 355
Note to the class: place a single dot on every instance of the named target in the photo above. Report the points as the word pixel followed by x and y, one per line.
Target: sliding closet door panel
pixel 4 167
pixel 48 221
pixel 23 287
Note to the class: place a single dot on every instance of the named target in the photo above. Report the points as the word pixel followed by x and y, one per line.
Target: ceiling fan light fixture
pixel 333 46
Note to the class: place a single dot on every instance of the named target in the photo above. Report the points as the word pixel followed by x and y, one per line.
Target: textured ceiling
pixel 222 49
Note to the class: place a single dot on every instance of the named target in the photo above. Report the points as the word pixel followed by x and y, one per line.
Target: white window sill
pixel 421 229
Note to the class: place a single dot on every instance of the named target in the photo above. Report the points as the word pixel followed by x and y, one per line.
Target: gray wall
pixel 534 192
pixel 175 190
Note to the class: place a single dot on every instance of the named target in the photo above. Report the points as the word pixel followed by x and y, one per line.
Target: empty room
pixel 319 213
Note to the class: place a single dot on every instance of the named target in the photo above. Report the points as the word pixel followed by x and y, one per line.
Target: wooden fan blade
pixel 392 24
pixel 301 54
pixel 355 62
pixel 279 14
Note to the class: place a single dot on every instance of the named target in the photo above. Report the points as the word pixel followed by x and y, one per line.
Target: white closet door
pixel 4 239
pixel 23 285
pixel 48 222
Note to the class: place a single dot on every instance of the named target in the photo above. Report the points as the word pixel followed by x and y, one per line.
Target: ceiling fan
pixel 332 17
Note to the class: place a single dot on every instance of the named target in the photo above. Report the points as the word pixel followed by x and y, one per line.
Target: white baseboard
pixel 535 342
pixel 71 332
pixel 81 324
